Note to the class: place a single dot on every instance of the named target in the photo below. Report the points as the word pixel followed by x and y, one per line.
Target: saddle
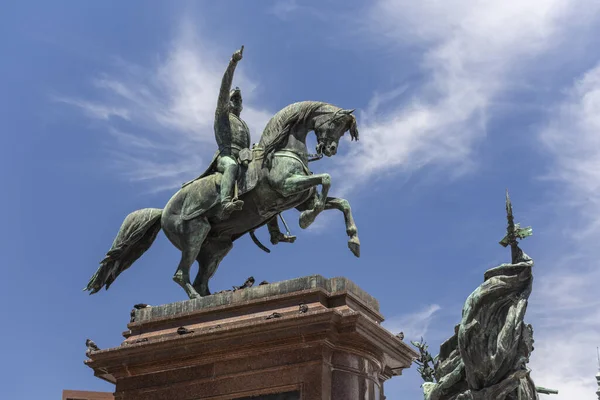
pixel 249 172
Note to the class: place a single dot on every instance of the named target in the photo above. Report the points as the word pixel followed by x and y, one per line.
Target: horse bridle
pixel 317 157
pixel 333 117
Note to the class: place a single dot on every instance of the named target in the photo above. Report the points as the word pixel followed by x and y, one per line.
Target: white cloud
pixel 288 9
pixel 414 325
pixel 284 8
pixel 475 50
pixel 94 110
pixel 573 139
pixel 565 342
pixel 161 120
pixel 566 298
pixel 566 318
pixel 169 109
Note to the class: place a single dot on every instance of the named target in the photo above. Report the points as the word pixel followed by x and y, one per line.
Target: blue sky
pixel 107 108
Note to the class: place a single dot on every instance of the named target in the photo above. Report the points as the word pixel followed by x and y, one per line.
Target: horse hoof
pixel 354 246
pixel 306 219
pixel 178 280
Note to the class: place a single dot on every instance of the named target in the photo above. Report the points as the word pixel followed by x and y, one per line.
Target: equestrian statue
pixel 243 189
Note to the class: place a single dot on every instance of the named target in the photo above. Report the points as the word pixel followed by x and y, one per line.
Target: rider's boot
pixel 276 235
pixel 228 204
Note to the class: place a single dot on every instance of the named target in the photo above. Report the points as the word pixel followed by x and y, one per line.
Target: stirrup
pixel 230 206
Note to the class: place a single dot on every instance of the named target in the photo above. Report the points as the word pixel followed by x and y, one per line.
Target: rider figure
pixel 232 135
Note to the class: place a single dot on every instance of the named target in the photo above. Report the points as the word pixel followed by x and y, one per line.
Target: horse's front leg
pixel 344 206
pixel 300 183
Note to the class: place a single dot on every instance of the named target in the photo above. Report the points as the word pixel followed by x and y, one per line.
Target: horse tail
pixel 136 235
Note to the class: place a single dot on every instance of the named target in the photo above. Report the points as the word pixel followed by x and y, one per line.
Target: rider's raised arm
pixel 223 102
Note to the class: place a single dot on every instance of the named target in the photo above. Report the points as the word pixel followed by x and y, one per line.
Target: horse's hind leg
pixel 191 238
pixel 212 253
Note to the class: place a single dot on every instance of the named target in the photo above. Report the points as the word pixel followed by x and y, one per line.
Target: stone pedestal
pixel 309 338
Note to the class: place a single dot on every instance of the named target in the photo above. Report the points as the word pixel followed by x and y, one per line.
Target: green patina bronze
pixel 487 356
pixel 242 190
pixel 544 390
pixel 514 232
pixel 426 371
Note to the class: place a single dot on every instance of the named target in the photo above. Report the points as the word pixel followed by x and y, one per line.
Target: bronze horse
pixel 277 179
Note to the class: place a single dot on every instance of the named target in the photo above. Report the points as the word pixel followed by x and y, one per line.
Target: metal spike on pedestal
pixel 514 232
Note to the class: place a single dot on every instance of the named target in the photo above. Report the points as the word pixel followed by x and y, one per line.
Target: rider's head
pixel 235 101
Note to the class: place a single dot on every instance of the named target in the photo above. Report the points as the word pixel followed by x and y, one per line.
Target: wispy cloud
pixel 474 51
pixel 573 139
pixel 414 325
pixel 568 316
pixel 284 8
pixel 288 9
pixel 472 54
pixel 95 110
pixel 168 110
pixel 566 335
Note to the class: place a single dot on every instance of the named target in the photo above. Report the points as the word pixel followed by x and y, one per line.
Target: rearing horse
pixel 277 179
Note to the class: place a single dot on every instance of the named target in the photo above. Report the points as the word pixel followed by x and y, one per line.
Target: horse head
pixel 330 127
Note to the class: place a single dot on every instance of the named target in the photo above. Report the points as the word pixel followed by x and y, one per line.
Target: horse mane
pixel 277 131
